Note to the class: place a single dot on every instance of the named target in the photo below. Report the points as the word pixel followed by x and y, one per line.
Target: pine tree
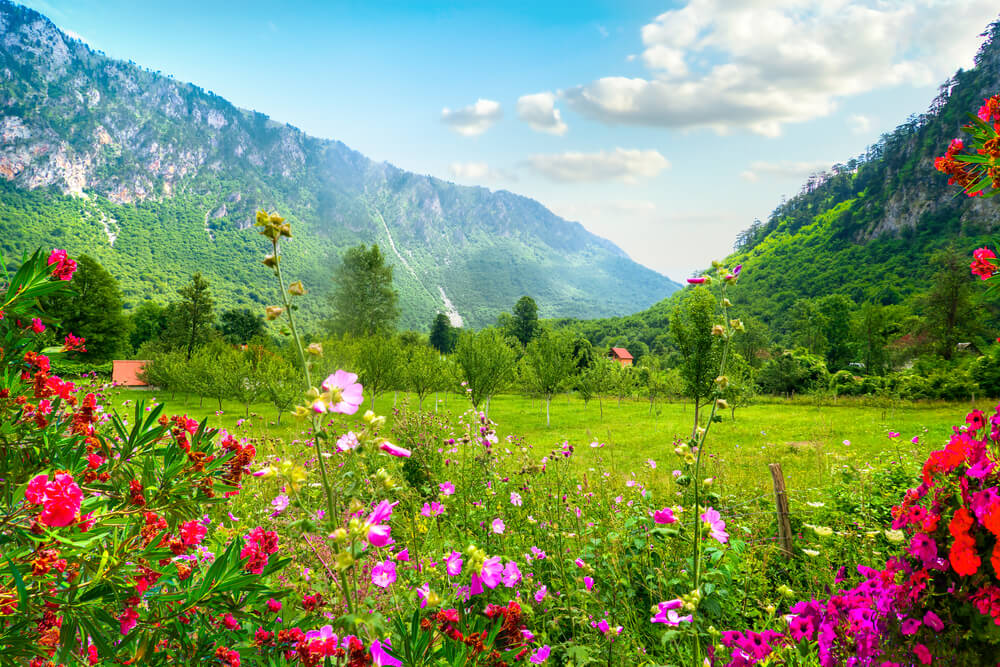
pixel 443 336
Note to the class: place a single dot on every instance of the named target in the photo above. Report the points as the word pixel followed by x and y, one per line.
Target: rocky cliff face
pixel 127 142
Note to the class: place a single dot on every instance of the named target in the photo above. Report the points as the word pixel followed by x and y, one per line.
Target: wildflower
pixel 491 572
pixel 541 593
pixel 498 526
pixel 515 498
pixel 280 504
pixel 395 450
pixel 540 656
pixel 345 394
pixel 810 552
pixel 273 606
pixel 453 564
pixel 37 326
pixel 446 488
pixel 433 509
pixel 73 343
pixel 666 613
pixel 60 498
pixel 982 265
pixel 347 442
pixel 697 281
pixel 588 583
pixel 380 657
pixel 384 574
pixel 64 267
pixel 923 655
pixel 666 516
pixel 716 525
pixel 933 621
pixel 511 575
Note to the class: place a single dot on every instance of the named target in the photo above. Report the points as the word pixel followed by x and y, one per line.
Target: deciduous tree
pixel 363 299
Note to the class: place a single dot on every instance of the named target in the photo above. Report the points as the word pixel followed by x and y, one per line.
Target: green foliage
pixel 550 360
pixel 364 301
pixel 190 321
pixel 486 361
pixel 381 365
pixel 239 325
pixel 424 372
pixel 147 322
pixel 793 372
pixel 524 320
pixel 443 336
pixel 93 311
pixel 691 328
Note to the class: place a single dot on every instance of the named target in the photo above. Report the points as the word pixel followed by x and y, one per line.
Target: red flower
pixel 60 498
pixel 64 265
pixel 981 265
pixel 963 555
pixel 74 343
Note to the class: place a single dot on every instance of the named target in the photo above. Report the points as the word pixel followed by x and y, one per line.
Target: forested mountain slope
pixel 157 178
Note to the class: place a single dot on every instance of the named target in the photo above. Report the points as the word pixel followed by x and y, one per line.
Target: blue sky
pixel 678 122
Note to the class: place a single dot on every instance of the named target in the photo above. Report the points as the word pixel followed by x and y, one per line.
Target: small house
pixel 621 356
pixel 125 372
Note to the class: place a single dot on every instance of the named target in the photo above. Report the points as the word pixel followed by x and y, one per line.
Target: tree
pixel 190 319
pixel 147 322
pixel 550 358
pixel 282 382
pixel 223 372
pixel 596 380
pixel 424 372
pixel 950 304
pixel 486 362
pixel 443 336
pixel 92 309
pixel 808 325
pixel 871 331
pixel 622 381
pixel 524 321
pixel 651 377
pixel 836 311
pixel 239 325
pixel 380 365
pixel 363 300
pixel 755 339
pixel 701 352
pixel 741 388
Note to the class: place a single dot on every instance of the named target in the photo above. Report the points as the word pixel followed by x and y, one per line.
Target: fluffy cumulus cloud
pixel 620 164
pixel 473 119
pixel 759 64
pixel 539 111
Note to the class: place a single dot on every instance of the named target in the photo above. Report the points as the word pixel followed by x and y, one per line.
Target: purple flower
pixel 588 582
pixel 379 655
pixel 453 564
pixel 492 572
pixel 446 488
pixel 540 656
pixel 280 504
pixel 515 498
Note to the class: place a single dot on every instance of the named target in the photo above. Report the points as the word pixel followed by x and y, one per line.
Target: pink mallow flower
pixel 351 393
pixel 716 526
pixel 378 533
pixel 498 526
pixel 380 658
pixel 511 575
pixel 446 488
pixel 667 613
pixel 384 574
pixel 395 450
pixel 453 564
pixel 664 516
pixel 540 656
pixel 492 572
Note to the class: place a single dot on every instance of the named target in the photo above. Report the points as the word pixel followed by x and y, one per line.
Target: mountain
pixel 867 229
pixel 157 179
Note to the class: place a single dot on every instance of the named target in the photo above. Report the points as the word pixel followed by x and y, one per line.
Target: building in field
pixel 125 373
pixel 621 356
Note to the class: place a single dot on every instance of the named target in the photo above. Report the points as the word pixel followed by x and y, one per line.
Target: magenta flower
pixel 933 621
pixel 446 488
pixel 603 626
pixel 588 582
pixel 696 281
pixel 498 526
pixel 664 516
pixel 511 575
pixel 351 393
pixel 37 326
pixel 384 574
pixel 492 572
pixel 579 562
pixel 541 593
pixel 431 510
pixel 403 556
pixel 716 526
pixel 540 656
pixel 667 613
pixel 379 656
pixel 380 535
pixel 453 564
pixel 280 503
pixel 395 450
pixel 347 442
pixel 910 626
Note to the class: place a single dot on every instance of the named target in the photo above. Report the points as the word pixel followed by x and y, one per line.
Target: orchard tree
pixel 190 319
pixel 281 382
pixel 524 320
pixel 487 362
pixel 424 372
pixel 741 388
pixel 363 299
pixel 443 336
pixel 691 327
pixel 651 378
pixel 596 380
pixel 380 365
pixel 550 360
pixel 92 309
pixel 623 381
pixel 239 325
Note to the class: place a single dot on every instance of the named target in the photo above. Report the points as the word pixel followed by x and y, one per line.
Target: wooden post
pixel 781 507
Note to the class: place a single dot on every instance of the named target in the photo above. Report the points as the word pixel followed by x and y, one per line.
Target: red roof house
pixel 621 355
pixel 125 372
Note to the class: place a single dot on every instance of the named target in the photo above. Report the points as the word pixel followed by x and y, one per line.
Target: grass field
pixel 808 440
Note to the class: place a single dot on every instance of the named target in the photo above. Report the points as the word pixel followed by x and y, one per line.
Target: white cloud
pixel 473 119
pixel 621 164
pixel 772 62
pixel 478 172
pixel 859 123
pixel 784 170
pixel 539 112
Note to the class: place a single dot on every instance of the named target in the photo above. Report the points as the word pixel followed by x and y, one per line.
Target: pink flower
pixel 351 393
pixel 395 450
pixel 379 536
pixel 603 626
pixel 515 499
pixel 322 641
pixel 433 509
pixel 403 556
pixel 446 488
pixel 379 656
pixel 192 532
pixel 696 281
pixel 588 582
pixel 667 613
pixel 273 606
pixel 579 562
pixel 65 267
pixel 716 525
pixel 230 622
pixel 664 516
pixel 933 621
pixel 384 574
pixel 347 442
pixel 60 498
pixel 491 572
pixel 498 526
pixel 37 326
pixel 128 620
pixel 453 564
pixel 541 593
pixel 910 626
pixel 511 575
pixel 923 655
pixel 540 656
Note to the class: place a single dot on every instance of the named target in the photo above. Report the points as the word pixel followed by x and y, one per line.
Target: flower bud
pixel 737 324
pixel 721 403
pixel 727 303
pixel 297 288
pixel 273 312
pixel 722 382
pixel 717 330
pixel 315 349
pixel 270 261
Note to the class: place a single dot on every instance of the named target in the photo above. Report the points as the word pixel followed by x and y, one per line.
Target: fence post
pixel 781 507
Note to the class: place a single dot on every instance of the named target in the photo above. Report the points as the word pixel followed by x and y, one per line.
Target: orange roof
pixel 621 353
pixel 126 372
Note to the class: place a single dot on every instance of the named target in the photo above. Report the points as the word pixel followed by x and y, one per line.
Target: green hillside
pixel 158 178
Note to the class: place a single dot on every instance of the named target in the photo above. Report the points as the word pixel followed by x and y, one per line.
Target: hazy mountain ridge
pixel 124 163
